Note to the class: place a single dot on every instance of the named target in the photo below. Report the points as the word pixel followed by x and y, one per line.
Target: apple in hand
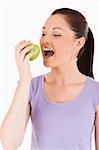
pixel 33 48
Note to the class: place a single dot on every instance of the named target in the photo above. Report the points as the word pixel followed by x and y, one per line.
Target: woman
pixel 64 103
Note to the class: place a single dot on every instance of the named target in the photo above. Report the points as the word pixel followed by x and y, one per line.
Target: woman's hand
pixel 22 60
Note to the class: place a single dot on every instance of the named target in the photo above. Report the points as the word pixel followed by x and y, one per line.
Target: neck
pixel 66 74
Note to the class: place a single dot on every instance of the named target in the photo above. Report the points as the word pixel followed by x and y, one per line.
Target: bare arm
pixel 97 129
pixel 14 124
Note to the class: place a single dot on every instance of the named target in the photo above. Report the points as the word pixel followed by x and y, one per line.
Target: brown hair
pixel 80 27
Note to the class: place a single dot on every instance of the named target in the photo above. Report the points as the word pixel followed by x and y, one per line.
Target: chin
pixel 48 64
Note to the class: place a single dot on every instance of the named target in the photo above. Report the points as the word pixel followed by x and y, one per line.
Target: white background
pixel 24 20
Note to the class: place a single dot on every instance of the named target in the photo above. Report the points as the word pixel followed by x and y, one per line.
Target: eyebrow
pixel 56 28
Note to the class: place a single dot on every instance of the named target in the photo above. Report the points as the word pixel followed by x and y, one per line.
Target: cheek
pixel 63 46
pixel 64 50
pixel 64 42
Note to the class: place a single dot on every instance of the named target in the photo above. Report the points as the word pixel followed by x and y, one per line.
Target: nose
pixel 45 44
pixel 46 39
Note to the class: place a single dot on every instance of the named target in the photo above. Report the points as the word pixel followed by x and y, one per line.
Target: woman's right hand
pixel 22 61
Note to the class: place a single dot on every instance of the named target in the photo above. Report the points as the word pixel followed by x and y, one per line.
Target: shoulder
pixel 36 82
pixel 94 84
pixel 36 78
pixel 35 86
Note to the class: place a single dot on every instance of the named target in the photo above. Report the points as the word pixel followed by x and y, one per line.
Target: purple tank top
pixel 62 126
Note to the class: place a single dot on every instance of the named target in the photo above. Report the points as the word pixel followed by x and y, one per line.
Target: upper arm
pixel 27 114
pixel 97 128
pixel 31 91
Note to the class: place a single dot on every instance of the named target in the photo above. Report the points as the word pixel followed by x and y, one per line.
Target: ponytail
pixel 79 26
pixel 85 56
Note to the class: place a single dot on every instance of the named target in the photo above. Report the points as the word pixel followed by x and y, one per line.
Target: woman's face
pixel 58 37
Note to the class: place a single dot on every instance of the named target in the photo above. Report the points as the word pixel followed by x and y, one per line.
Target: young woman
pixel 64 103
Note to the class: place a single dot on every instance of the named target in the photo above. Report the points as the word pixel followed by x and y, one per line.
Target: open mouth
pixel 48 52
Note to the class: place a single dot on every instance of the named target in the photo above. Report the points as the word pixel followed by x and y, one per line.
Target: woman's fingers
pixel 22 59
pixel 19 47
pixel 23 53
pixel 28 56
pixel 19 44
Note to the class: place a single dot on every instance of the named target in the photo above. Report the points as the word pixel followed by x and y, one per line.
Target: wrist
pixel 27 80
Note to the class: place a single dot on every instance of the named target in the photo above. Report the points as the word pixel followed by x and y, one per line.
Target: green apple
pixel 33 48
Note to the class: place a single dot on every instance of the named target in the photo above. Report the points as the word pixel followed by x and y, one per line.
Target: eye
pixel 57 35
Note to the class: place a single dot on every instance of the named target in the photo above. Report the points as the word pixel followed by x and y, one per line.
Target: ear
pixel 79 43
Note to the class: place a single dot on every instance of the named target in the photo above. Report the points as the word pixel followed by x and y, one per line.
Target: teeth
pixel 47 49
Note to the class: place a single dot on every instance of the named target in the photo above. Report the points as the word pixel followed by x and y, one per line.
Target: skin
pixel 64 78
pixel 63 62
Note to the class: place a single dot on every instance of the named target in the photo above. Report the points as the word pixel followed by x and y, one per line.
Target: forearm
pixel 13 126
